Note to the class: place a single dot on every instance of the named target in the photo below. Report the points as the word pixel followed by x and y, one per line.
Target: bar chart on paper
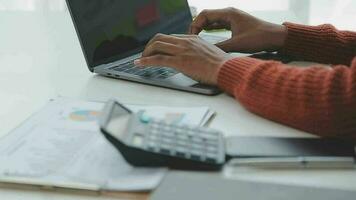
pixel 84 115
pixel 80 115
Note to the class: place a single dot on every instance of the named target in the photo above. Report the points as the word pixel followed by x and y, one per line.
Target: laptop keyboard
pixel 145 72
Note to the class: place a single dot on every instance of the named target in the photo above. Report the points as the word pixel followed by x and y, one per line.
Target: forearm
pixel 316 99
pixel 323 44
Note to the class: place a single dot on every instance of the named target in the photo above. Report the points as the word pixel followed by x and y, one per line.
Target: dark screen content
pixel 114 29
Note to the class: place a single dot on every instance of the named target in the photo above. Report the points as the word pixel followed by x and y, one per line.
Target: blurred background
pixel 341 13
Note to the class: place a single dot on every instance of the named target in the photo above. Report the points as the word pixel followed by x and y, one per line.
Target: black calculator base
pixel 142 158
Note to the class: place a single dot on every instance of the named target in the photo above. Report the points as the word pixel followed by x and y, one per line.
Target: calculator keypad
pixel 199 144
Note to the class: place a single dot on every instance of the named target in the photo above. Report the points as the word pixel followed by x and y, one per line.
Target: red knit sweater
pixel 317 99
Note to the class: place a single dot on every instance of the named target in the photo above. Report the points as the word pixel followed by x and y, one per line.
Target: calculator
pixel 147 142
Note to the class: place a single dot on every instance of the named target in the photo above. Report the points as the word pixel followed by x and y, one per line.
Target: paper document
pixel 62 146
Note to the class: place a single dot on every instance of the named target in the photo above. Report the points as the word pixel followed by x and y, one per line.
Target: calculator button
pixel 197 146
pixel 154 126
pixel 212 149
pixel 197 139
pixel 181 154
pixel 151 145
pixel 211 142
pixel 210 137
pixel 138 140
pixel 211 155
pixel 165 146
pixel 152 149
pixel 167 140
pixel 166 129
pixel 168 134
pixel 165 151
pixel 154 131
pixel 181 149
pixel 196 152
pixel 179 131
pixel 153 138
pixel 182 143
pixel 211 160
pixel 195 157
pixel 191 133
pixel 145 119
pixel 182 137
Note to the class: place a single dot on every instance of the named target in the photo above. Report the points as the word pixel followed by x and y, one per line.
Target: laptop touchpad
pixel 181 80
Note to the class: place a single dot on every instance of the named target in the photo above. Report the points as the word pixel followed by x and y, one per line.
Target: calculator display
pixel 118 120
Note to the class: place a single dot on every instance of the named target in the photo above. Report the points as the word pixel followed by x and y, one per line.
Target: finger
pixel 156 60
pixel 186 36
pixel 164 38
pixel 215 26
pixel 159 47
pixel 207 17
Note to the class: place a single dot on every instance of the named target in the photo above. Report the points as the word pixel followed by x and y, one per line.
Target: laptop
pixel 113 33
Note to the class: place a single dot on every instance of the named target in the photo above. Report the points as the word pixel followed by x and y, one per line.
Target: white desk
pixel 40 58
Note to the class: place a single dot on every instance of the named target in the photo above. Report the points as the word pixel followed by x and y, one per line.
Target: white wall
pixel 341 13
pixel 32 5
pixel 248 5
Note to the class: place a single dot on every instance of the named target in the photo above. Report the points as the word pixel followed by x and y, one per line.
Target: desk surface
pixel 40 58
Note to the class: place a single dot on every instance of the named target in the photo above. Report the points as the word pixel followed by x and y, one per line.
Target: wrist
pixel 280 36
pixel 276 36
pixel 220 65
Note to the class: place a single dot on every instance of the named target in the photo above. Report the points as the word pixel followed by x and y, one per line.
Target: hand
pixel 188 54
pixel 249 34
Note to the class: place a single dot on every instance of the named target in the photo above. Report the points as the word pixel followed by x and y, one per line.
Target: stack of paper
pixel 62 146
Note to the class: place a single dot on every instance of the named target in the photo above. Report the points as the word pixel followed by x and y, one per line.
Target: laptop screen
pixel 113 29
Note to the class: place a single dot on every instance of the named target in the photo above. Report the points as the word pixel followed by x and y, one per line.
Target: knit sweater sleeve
pixel 316 99
pixel 322 44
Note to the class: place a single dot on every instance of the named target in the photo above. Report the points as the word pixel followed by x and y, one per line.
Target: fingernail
pixel 137 62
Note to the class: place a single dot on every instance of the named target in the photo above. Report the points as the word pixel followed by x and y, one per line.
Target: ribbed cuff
pixel 234 72
pixel 302 40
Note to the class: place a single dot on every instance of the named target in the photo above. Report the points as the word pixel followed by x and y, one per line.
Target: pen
pixel 295 162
